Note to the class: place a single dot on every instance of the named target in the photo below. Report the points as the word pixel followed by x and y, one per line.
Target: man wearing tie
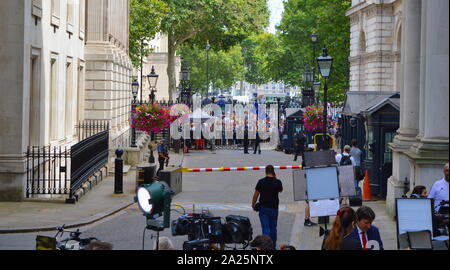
pixel 364 230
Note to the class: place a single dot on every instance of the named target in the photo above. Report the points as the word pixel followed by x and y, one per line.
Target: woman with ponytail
pixel 343 225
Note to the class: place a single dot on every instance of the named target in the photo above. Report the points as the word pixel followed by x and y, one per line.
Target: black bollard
pixel 118 173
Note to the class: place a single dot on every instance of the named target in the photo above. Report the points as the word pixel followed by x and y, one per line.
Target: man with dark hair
pixel 267 191
pixel 262 242
pixel 364 230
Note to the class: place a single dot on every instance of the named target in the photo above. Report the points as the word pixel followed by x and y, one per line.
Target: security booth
pixel 293 123
pixel 372 118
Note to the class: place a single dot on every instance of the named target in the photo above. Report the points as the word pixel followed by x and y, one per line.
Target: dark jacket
pixel 372 234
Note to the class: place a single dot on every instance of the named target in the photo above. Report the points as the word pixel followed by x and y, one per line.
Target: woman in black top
pixel 267 191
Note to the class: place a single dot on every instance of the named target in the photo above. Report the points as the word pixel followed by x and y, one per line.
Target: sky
pixel 276 10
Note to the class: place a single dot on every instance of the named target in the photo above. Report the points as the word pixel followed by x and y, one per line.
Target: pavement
pixel 100 203
pixel 46 214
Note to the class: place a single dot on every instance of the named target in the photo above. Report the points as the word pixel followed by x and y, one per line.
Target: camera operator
pixel 439 190
pixel 267 191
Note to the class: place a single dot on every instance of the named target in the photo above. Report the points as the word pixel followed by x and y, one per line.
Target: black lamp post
pixel 152 81
pixel 184 84
pixel 308 78
pixel 316 85
pixel 134 91
pixel 325 63
pixel 207 47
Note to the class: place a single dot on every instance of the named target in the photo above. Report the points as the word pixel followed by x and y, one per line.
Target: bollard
pixel 118 173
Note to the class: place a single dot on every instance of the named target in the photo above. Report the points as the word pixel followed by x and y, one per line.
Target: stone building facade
pixel 108 67
pixel 64 61
pixel 375 43
pixel 421 147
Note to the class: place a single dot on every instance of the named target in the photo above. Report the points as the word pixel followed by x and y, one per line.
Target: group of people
pixel 351 230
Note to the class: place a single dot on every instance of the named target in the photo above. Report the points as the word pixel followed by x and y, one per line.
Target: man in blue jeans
pixel 267 191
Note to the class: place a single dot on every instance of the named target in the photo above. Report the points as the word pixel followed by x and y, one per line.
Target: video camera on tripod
pixel 441 219
pixel 203 230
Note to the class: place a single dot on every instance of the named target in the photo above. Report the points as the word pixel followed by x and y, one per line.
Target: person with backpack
pixel 345 159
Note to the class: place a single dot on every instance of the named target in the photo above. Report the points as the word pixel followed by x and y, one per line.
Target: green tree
pixel 223 22
pixel 225 67
pixel 327 19
pixel 145 19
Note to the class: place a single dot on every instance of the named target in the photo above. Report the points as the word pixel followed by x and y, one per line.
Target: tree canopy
pixel 223 23
pixel 327 19
pixel 225 67
pixel 145 18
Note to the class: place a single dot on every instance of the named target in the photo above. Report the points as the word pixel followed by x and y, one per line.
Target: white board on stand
pixel 324 208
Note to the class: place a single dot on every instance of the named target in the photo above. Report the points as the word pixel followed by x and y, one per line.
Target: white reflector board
pixel 323 208
pixel 322 183
pixel 414 215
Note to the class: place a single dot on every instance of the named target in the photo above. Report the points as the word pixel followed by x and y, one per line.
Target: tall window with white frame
pixel 70 16
pixel 35 94
pixel 53 98
pixel 82 18
pixel 55 19
pixel 68 113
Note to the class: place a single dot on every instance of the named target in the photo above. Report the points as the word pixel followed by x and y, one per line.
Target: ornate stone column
pixel 431 152
pixel 410 93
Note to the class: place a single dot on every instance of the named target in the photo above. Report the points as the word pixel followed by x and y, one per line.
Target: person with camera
pixel 364 230
pixel 338 238
pixel 267 191
pixel 439 190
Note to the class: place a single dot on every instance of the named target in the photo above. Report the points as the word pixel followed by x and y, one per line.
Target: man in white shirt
pixel 439 190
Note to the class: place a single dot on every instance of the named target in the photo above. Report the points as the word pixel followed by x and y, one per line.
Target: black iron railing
pixel 59 170
pixel 88 128
pixel 87 157
pixel 47 170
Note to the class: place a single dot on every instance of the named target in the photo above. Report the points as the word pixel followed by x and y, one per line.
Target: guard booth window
pixel 370 144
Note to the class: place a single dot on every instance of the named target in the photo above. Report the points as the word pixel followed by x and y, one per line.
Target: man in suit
pixel 364 230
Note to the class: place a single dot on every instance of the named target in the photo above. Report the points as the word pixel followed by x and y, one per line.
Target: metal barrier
pixel 87 157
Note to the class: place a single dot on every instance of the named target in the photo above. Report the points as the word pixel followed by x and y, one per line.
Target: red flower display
pixel 151 118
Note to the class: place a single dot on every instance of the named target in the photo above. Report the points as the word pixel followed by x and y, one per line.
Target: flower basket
pixel 151 118
pixel 313 119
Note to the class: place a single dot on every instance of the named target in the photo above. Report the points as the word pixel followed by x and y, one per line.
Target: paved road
pixel 224 193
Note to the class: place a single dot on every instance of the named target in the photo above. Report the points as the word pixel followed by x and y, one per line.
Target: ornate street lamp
pixel 325 64
pixel 152 81
pixel 308 78
pixel 134 91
